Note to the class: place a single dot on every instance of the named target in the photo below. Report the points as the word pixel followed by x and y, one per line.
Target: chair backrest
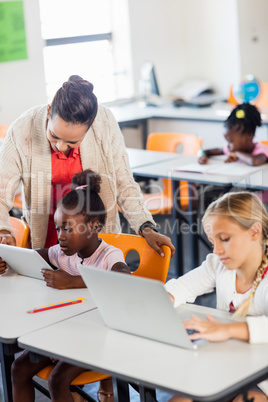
pixel 3 130
pixel 21 231
pixel 170 142
pixel 151 265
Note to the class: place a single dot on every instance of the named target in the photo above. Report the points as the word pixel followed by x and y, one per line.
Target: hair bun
pixel 79 80
pixel 87 177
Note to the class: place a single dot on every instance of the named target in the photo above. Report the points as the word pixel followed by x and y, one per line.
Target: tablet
pixel 24 261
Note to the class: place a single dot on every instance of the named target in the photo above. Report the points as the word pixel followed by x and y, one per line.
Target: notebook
pixel 138 306
pixel 24 261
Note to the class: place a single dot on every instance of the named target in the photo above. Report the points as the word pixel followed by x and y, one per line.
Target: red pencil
pixel 49 307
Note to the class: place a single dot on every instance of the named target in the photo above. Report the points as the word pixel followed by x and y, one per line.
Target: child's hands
pixel 212 329
pixel 3 266
pixel 7 238
pixel 232 157
pixel 203 160
pixel 60 279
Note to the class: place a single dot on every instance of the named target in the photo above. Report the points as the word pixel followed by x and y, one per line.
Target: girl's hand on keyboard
pixel 210 329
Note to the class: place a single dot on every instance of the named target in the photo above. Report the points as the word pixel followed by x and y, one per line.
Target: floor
pixel 208 300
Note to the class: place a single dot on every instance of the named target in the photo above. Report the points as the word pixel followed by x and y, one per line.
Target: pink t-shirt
pixel 259 148
pixel 103 258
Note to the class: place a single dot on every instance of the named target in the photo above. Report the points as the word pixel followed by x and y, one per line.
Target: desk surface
pixel 218 112
pixel 18 294
pixel 208 374
pixel 165 169
pixel 142 157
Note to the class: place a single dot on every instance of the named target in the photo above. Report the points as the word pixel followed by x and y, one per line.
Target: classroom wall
pixel 186 39
pixel 253 31
pixel 208 39
pixel 22 83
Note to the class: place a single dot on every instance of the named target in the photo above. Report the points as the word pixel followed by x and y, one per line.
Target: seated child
pixel 79 217
pixel 237 227
pixel 240 130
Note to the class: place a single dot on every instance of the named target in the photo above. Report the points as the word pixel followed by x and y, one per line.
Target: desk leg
pixel 6 358
pixel 121 390
pixel 176 232
pixel 193 232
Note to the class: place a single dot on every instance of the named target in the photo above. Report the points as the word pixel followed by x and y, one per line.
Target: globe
pixel 247 90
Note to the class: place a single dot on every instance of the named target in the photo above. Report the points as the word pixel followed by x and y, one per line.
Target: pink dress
pixel 103 258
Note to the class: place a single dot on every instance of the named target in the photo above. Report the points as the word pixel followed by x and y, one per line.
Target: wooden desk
pixel 215 372
pixel 18 294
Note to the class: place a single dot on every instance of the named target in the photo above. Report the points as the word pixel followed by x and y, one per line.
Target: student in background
pixel 237 227
pixel 240 130
pixel 79 217
pixel 48 144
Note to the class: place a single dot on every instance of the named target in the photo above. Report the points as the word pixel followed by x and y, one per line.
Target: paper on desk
pixel 218 167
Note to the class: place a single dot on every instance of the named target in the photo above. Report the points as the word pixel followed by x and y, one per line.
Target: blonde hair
pixel 244 208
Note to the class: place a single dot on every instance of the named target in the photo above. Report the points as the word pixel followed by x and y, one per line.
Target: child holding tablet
pixel 79 217
pixel 237 227
pixel 240 130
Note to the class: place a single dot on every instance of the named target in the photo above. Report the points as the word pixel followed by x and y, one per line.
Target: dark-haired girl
pixel 48 144
pixel 240 130
pixel 79 217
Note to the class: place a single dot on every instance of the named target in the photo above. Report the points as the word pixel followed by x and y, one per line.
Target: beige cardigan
pixel 25 157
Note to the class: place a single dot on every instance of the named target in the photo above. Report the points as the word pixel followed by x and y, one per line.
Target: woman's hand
pixel 156 240
pixel 60 279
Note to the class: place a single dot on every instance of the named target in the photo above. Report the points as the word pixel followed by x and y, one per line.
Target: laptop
pixel 138 306
pixel 24 261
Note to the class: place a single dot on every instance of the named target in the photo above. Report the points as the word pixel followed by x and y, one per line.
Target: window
pixel 78 39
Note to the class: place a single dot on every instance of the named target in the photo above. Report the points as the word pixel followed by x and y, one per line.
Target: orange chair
pixel 151 265
pixel 17 203
pixel 162 202
pixel 21 231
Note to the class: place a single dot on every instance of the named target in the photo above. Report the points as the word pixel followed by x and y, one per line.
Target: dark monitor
pixel 148 77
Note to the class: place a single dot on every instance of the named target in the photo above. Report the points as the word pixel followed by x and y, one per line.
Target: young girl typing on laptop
pixel 237 227
pixel 79 217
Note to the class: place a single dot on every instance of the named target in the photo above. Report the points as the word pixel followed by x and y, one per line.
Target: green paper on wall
pixel 12 31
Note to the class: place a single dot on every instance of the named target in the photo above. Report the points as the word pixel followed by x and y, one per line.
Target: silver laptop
pixel 24 261
pixel 138 306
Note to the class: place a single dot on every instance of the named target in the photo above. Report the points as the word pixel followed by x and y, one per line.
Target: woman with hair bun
pixel 48 144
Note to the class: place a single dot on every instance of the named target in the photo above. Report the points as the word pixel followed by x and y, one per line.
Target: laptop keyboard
pixel 196 341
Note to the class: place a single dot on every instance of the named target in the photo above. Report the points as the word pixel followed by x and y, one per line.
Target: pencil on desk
pixel 201 151
pixel 56 305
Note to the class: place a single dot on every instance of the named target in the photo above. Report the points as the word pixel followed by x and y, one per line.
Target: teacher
pixel 48 144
